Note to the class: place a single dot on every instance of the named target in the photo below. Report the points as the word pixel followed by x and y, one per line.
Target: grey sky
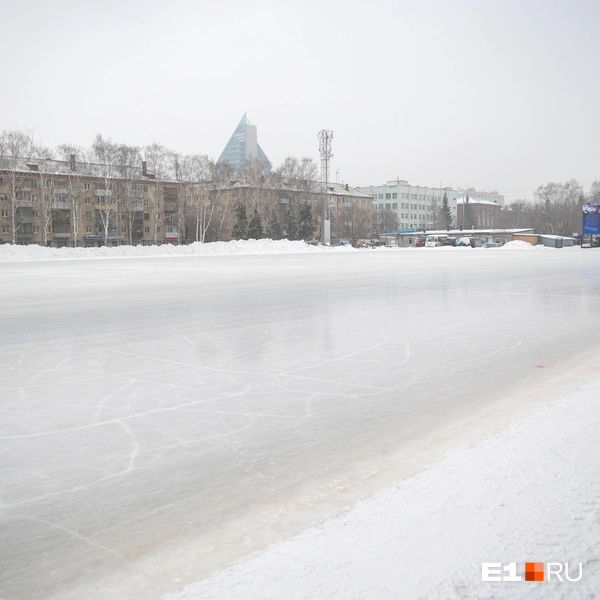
pixel 499 94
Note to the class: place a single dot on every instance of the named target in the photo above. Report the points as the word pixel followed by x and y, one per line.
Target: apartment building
pixel 350 211
pixel 410 207
pixel 68 203
pixel 71 203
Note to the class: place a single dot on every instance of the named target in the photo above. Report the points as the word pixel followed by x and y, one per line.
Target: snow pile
pixel 518 245
pixel 529 493
pixel 14 253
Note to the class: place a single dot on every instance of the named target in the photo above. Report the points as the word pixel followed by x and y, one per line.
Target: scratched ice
pixel 160 416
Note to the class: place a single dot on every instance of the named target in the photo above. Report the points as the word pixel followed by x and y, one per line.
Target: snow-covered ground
pixel 16 253
pixel 9 252
pixel 163 417
pixel 528 493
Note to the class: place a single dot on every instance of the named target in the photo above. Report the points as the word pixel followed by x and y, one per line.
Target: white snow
pixel 519 245
pixel 529 493
pixel 10 252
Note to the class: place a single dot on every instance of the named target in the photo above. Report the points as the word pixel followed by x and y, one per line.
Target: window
pixel 88 200
pixel 3 197
pixel 158 230
pixel 87 186
pixel 46 183
pixel 145 202
pixel 388 196
pixel 374 196
pixel 381 207
pixel 146 229
pixel 5 229
pixel 36 229
pixel 381 196
pixel 394 196
pixel 88 215
pixel 46 197
pixel 395 205
pixel 88 230
pixel 123 229
pixel 60 184
pixel 146 216
pixel 388 205
pixel 5 213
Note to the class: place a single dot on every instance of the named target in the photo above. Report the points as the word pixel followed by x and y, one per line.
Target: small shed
pixel 530 238
pixel 556 241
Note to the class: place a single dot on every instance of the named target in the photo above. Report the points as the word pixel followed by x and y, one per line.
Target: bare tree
pixel 560 204
pixel 160 162
pixel 15 148
pixel 200 194
pixel 106 154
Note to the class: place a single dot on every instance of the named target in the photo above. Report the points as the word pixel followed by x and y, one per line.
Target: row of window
pixel 88 229
pixel 406 196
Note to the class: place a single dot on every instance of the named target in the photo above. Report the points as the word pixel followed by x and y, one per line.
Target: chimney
pixel 346 187
pixel 144 169
pixel 72 161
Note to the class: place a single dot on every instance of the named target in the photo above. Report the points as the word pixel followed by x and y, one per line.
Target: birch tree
pixel 15 148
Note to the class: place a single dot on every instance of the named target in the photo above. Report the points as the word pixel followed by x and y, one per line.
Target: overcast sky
pixel 498 94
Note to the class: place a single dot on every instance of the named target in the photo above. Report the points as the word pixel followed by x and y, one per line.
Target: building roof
pixel 475 200
pixel 51 167
pixel 343 189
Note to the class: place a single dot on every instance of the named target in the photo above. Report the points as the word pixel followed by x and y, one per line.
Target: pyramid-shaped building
pixel 243 145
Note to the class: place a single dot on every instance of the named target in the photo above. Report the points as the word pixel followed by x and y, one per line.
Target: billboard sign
pixel 591 219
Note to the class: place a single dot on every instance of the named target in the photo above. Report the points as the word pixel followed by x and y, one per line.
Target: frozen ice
pixel 161 416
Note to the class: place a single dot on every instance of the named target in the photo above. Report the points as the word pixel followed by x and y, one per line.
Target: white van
pixel 432 241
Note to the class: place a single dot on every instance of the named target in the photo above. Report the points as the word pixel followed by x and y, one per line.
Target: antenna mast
pixel 325 137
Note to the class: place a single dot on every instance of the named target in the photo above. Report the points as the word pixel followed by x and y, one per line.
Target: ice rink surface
pixel 162 416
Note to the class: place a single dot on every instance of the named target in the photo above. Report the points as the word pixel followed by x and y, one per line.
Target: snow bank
pixel 13 253
pixel 530 493
pixel 518 245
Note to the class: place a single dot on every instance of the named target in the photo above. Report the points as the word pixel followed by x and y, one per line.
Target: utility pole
pixel 325 137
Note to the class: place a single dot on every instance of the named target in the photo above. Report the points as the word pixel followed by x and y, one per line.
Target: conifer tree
pixel 240 227
pixel 446 213
pixel 255 229
pixel 292 226
pixel 274 228
pixel 306 225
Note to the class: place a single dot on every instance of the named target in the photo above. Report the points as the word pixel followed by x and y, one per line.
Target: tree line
pixel 201 189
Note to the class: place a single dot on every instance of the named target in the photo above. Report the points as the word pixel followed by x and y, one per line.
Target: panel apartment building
pixel 64 203
pixel 415 207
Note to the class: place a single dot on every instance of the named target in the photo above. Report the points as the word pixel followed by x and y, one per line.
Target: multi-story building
pixel 477 214
pixel 399 205
pixel 70 203
pixel 349 210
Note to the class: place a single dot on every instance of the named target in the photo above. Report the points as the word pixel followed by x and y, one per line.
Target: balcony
pixel 61 236
pixel 170 206
pixel 62 204
pixel 24 235
pixel 23 220
pixel 135 206
pixel 102 193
